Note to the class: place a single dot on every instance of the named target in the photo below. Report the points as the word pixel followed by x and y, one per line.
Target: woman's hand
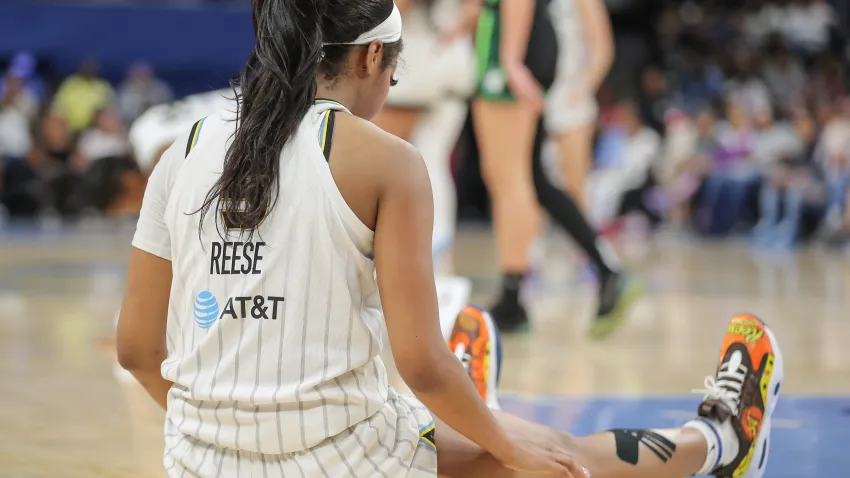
pixel 541 457
pixel 524 86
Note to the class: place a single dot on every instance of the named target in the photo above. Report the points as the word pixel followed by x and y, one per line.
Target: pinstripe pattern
pixel 303 355
pixel 369 449
pixel 275 364
pixel 289 246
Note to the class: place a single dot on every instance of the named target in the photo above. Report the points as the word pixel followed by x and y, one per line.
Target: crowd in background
pixel 64 147
pixel 741 124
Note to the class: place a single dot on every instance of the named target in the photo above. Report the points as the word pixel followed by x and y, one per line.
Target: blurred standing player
pixel 585 54
pixel 158 127
pixel 517 56
pixel 429 105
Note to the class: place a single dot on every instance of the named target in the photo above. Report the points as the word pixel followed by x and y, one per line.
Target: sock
pixel 721 441
pixel 566 213
pixel 511 284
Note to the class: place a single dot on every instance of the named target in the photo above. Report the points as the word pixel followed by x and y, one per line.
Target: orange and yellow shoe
pixel 745 391
pixel 475 342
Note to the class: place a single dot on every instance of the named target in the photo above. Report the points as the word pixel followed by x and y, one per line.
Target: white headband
pixel 389 31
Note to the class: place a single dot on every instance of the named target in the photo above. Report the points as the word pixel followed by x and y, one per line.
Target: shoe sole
pixel 758 465
pixel 486 321
pixel 604 326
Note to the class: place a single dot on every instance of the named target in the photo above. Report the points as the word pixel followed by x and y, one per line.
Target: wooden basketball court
pixel 67 412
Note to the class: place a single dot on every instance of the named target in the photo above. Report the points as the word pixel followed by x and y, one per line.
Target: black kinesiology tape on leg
pixel 628 445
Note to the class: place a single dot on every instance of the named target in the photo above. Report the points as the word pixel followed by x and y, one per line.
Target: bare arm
pixel 406 282
pixel 517 17
pixel 141 326
pixel 144 313
pixel 597 31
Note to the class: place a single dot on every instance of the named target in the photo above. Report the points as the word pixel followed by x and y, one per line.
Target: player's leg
pixel 505 131
pixel 729 435
pixel 616 291
pixel 684 452
pixel 575 144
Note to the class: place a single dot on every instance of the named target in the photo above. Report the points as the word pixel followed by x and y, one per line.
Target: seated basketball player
pixel 253 316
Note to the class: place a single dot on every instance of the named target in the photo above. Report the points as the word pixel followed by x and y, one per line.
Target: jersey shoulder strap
pixel 326 133
pixel 327 109
pixel 194 134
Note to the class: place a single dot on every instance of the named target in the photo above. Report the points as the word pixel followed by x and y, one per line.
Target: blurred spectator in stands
pixel 732 171
pixel 784 76
pixel 688 151
pixel 834 155
pixel 617 187
pixel 774 141
pixel 46 181
pixel 807 26
pixel 761 19
pixel 654 98
pixel 140 91
pixel 81 95
pixel 115 186
pixel 792 186
pixel 17 109
pixel 55 140
pixel 23 67
pixel 826 82
pixel 106 137
pixel 744 88
pixel 701 80
pixel 25 182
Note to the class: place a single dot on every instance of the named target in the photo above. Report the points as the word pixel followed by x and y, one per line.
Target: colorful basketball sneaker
pixel 744 392
pixel 475 341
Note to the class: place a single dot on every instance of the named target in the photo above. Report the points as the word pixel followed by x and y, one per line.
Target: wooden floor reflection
pixel 66 412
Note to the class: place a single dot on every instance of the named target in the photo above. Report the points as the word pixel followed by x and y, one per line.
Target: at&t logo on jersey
pixel 206 309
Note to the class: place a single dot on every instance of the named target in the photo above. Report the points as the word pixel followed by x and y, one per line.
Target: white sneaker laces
pixel 460 353
pixel 726 387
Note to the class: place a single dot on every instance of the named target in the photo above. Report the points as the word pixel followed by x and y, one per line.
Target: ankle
pixel 512 282
pixel 721 443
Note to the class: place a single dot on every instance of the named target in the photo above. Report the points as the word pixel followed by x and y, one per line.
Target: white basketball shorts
pixel 566 111
pixel 397 441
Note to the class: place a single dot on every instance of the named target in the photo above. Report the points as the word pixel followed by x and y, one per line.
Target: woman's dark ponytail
pixel 275 91
pixel 278 86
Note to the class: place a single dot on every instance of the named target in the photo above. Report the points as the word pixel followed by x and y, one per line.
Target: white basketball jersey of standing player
pixel 160 125
pixel 273 343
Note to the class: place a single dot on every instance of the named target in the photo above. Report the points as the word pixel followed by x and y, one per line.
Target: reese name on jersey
pixel 233 258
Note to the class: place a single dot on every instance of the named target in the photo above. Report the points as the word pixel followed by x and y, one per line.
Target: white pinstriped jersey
pixel 272 343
